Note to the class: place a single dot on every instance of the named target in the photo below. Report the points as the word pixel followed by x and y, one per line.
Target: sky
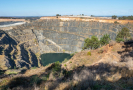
pixel 65 7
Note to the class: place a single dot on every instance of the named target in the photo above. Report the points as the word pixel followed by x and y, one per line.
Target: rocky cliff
pixel 53 35
pixel 13 54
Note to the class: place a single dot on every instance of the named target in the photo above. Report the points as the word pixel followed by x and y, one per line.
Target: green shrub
pixel 89 53
pixel 33 67
pixel 115 22
pixel 14 67
pixel 92 43
pixel 11 72
pixel 126 18
pixel 35 41
pixel 35 80
pixel 56 67
pixel 105 39
pixel 123 35
pixel 1 71
pixel 72 54
pixel 45 78
pixel 114 17
pixel 119 40
pixel 65 65
pixel 63 51
pixel 100 51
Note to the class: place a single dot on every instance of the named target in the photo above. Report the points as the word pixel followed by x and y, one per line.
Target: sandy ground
pixel 6 20
pixel 97 19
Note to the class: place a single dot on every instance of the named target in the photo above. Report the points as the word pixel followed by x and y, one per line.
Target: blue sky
pixel 65 7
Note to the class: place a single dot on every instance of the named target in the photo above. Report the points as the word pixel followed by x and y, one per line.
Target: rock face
pixel 13 55
pixel 54 35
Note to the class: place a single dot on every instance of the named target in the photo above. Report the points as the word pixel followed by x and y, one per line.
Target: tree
pixel 92 43
pixel 58 15
pixel 114 17
pixel 105 39
pixel 115 22
pixel 126 17
pixel 123 35
pixel 92 15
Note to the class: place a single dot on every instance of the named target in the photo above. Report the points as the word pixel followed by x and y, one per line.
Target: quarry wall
pixel 53 36
pixel 56 35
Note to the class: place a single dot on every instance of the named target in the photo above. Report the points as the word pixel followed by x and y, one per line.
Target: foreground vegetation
pixel 94 43
pixel 83 72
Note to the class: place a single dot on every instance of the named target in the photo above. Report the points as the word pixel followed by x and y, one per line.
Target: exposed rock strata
pixel 53 35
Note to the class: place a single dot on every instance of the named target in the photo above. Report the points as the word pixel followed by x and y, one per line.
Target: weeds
pixel 65 60
pixel 14 67
pixel 72 54
pixel 38 55
pixel 73 67
pixel 33 67
pixel 63 51
pixel 45 78
pixel 11 72
pixel 100 51
pixel 35 41
pixel 89 53
pixel 65 65
pixel 115 22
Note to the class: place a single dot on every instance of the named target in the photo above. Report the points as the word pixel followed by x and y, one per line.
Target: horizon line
pixel 55 15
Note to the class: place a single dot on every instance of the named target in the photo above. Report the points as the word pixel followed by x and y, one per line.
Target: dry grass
pixel 84 72
pixel 11 72
pixel 83 58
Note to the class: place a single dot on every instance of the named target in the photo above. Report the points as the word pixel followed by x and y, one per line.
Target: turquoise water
pixel 53 57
